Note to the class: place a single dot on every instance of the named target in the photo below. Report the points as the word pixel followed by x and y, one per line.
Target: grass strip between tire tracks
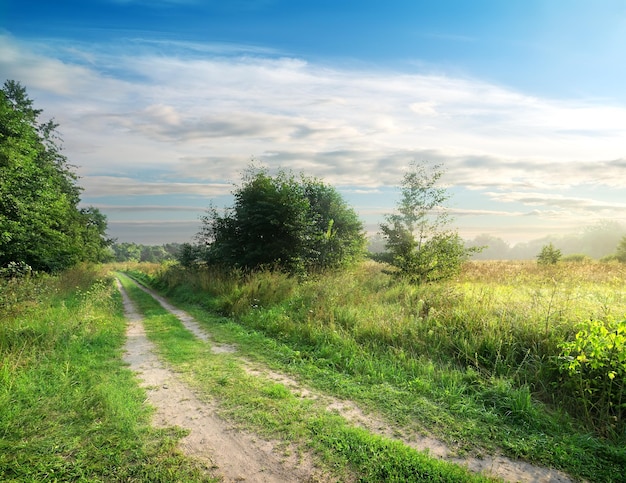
pixel 273 411
pixel 70 410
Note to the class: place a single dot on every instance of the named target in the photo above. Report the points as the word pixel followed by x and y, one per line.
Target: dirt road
pixel 240 456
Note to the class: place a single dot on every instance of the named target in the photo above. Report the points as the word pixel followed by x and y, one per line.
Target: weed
pixel 594 364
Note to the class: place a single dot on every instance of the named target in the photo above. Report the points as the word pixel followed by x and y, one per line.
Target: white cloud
pixel 424 108
pixel 97 186
pixel 196 116
pixel 40 72
pixel 562 204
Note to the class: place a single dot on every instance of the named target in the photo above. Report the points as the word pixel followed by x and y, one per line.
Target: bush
pixel 296 225
pixel 594 364
pixel 15 269
pixel 188 255
pixel 549 255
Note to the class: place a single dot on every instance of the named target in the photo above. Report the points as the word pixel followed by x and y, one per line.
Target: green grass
pixel 70 410
pixel 273 411
pixel 474 361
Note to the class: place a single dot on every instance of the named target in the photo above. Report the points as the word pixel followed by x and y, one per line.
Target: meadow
pixel 508 357
pixel 70 409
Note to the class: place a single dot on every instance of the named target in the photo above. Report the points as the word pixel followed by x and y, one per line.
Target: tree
pixel 96 243
pixel 126 252
pixel 153 254
pixel 296 224
pixel 598 240
pixel 418 241
pixel 620 252
pixel 40 223
pixel 549 255
pixel 494 248
pixel 336 234
pixel 134 252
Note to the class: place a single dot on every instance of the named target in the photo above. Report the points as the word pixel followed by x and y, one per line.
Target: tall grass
pixel 502 319
pixel 487 345
pixel 270 409
pixel 69 408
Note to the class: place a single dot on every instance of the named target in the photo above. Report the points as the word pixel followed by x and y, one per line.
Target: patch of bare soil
pixel 497 466
pixel 176 405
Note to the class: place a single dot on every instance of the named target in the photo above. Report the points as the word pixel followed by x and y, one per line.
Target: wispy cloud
pixel 489 213
pixel 197 115
pixel 564 204
pixel 148 209
pixel 116 186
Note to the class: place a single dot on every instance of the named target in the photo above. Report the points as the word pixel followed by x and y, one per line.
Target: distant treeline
pixel 598 242
pixel 134 252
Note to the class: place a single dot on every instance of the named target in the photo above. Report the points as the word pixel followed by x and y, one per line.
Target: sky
pixel 162 104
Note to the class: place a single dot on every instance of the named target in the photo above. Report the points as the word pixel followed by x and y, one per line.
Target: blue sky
pixel 163 103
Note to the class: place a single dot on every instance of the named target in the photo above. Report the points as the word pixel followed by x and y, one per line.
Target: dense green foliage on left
pixel 41 224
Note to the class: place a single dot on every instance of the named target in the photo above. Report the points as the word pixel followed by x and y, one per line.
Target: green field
pixel 481 362
pixel 70 410
pixel 510 358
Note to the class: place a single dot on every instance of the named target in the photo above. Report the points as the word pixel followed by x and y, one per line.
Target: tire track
pixel 493 465
pixel 233 454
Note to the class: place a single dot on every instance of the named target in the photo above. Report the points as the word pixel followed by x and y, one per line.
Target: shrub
pixel 594 364
pixel 549 255
pixel 15 269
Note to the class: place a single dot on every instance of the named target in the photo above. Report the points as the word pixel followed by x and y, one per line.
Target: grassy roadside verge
pixel 355 345
pixel 272 410
pixel 70 410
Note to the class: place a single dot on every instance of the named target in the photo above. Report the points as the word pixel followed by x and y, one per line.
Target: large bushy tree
pixel 419 240
pixel 41 224
pixel 294 223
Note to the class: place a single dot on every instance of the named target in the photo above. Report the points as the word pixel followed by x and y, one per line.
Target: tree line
pixel 136 252
pixel 295 223
pixel 599 242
